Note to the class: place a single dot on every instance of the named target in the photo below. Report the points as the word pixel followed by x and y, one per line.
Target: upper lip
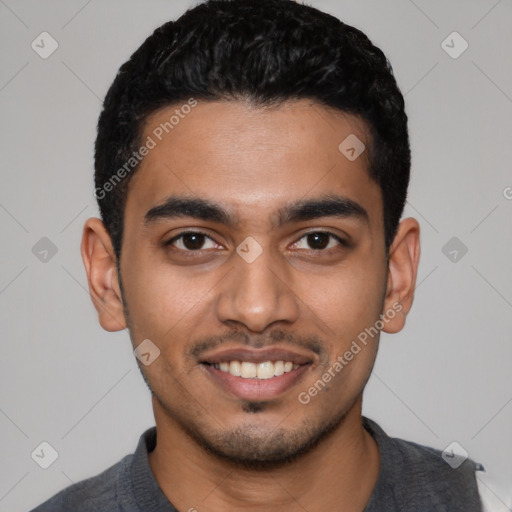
pixel 255 356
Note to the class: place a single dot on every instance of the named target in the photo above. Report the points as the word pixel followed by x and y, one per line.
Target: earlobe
pixel 100 265
pixel 403 262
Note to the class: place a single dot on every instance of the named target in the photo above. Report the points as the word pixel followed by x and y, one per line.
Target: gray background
pixel 445 378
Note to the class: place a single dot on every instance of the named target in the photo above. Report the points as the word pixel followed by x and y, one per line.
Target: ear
pixel 404 255
pixel 100 264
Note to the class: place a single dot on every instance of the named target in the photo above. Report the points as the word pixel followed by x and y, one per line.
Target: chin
pixel 253 446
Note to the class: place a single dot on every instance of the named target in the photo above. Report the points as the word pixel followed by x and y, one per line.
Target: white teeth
pixel 248 370
pixel 278 368
pixel 235 368
pixel 265 370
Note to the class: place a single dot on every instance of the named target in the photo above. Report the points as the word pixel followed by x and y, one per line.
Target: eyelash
pixel 340 240
pixel 182 234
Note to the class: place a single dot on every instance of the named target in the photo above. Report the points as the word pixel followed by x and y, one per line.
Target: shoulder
pixel 429 464
pixel 413 473
pixel 100 492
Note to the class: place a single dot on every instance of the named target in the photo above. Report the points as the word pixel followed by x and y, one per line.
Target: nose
pixel 257 294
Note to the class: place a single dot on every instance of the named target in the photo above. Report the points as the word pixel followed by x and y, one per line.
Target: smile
pixel 248 370
pixel 257 374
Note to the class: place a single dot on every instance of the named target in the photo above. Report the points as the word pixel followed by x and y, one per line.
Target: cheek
pixel 162 300
pixel 347 300
pixel 348 308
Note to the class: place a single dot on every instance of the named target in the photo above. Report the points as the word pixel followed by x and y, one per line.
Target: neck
pixel 338 474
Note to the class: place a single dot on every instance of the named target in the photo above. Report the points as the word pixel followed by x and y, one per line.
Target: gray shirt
pixel 411 478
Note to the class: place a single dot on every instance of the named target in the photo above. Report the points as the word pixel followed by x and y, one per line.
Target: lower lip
pixel 257 389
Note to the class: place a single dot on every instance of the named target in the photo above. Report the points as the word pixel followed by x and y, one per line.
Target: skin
pixel 253 162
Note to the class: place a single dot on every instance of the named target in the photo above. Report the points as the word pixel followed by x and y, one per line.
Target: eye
pixel 319 241
pixel 192 241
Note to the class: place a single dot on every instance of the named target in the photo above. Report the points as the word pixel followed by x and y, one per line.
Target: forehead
pixel 253 159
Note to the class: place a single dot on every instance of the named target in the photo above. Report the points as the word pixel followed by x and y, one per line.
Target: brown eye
pixel 318 240
pixel 192 241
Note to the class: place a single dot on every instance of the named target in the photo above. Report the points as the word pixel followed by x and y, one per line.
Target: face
pixel 253 256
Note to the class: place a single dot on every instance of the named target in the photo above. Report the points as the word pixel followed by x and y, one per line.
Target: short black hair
pixel 266 52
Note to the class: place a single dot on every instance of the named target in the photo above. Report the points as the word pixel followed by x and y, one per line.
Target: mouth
pixel 256 374
pixel 261 371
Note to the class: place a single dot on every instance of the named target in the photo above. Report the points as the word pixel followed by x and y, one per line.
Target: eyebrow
pixel 303 210
pixel 182 206
pixel 325 206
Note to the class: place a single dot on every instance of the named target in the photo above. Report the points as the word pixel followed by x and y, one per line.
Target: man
pixel 252 164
